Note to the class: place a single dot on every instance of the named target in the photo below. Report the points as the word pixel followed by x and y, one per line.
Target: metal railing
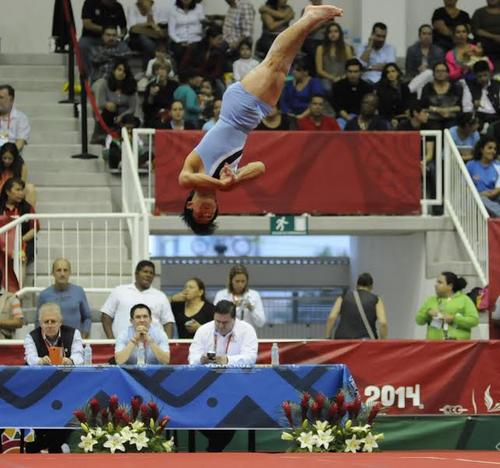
pixel 95 244
pixel 133 199
pixel 431 196
pixel 464 206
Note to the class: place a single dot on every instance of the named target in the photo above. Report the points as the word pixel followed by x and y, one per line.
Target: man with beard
pixel 368 120
pixel 376 53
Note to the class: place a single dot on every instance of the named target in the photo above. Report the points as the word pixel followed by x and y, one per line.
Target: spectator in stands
pixel 115 312
pixel 277 121
pixel 191 308
pixel 14 205
pixel 207 94
pixel 14 125
pixel 368 118
pixel 482 94
pixel 70 298
pixel 186 92
pixel 185 30
pixel 116 97
pixel 238 25
pixel 147 27
pixel 40 349
pixel 276 16
pixel 313 41
pixel 486 28
pixel 245 63
pixel 465 134
pixel 462 57
pixel 316 119
pixel 96 15
pixel 214 112
pixel 225 341
pixel 422 55
pixel 348 93
pixel 442 98
pixel 13 165
pixel 360 311
pixel 104 55
pixel 484 174
pixel 418 118
pixel 174 120
pixel 159 95
pixel 113 144
pixel 142 331
pixel 298 92
pixel 248 303
pixel 11 314
pixel 161 56
pixel 443 21
pixel 450 314
pixel 376 53
pixel 394 95
pixel 331 56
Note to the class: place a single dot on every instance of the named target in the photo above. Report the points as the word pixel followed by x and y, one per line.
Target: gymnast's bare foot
pixel 325 12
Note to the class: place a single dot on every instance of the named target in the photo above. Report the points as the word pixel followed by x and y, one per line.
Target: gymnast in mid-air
pixel 213 164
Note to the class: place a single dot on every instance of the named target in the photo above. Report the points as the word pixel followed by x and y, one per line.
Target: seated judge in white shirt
pixel 225 340
pixel 248 303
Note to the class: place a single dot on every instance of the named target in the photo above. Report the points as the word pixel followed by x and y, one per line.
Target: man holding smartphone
pixel 225 341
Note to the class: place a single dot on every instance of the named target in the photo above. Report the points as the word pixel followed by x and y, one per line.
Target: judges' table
pixel 192 396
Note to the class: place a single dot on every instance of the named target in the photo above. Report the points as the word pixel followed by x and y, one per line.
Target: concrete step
pixel 68 179
pixel 30 98
pixel 55 137
pixel 32 59
pixel 49 110
pixel 53 123
pixel 103 206
pixel 46 254
pixel 57 152
pixel 72 195
pixel 97 225
pixel 67 164
pixel 34 84
pixel 85 281
pixel 40 71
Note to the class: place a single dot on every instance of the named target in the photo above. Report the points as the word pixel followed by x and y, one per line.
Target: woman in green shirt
pixel 450 314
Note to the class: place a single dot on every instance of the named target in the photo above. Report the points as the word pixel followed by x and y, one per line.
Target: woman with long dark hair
pixel 394 95
pixel 12 165
pixel 331 56
pixel 485 175
pixel 118 96
pixel 450 314
pixel 191 308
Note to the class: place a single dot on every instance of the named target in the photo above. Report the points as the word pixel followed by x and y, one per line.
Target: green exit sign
pixel 288 225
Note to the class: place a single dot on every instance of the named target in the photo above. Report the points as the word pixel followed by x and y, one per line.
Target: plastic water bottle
pixel 275 355
pixel 87 355
pixel 141 354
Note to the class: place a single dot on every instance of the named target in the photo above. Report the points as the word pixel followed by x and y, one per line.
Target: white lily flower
pixel 321 425
pixel 286 436
pixel 168 445
pixel 114 443
pixel 370 442
pixel 99 432
pixel 324 438
pixel 127 434
pixel 140 441
pixel 352 445
pixel 87 443
pixel 307 440
pixel 358 429
pixel 137 425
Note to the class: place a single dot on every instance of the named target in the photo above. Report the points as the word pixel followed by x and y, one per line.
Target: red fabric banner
pixel 307 172
pixel 494 271
pixel 408 377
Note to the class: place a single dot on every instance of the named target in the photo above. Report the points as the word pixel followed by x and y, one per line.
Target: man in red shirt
pixel 316 119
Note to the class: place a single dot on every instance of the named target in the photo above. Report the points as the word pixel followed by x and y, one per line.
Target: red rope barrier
pixel 83 71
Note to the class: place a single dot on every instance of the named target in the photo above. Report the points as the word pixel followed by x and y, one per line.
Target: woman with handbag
pixel 360 310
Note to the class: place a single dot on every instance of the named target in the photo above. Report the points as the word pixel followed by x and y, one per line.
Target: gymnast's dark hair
pixel 457 283
pixel 201 229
